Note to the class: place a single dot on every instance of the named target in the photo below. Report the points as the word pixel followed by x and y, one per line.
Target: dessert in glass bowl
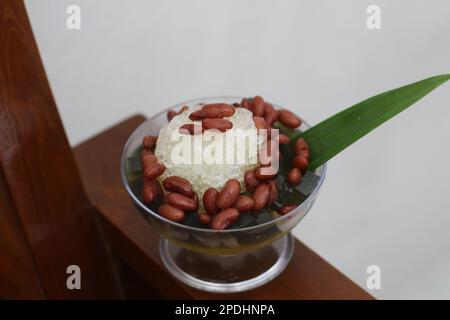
pixel 225 179
pixel 221 181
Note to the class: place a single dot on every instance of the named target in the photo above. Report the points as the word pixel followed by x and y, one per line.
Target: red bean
pixel 154 170
pixel 304 153
pixel 170 212
pixel 272 116
pixel 181 201
pixel 147 158
pixel 171 114
pixel 282 139
pixel 204 218
pixel 150 191
pixel 294 176
pixel 218 110
pixel 300 162
pixel 258 106
pixel 213 111
pixel 229 194
pixel 149 142
pixel 196 115
pixel 289 119
pixel 262 127
pixel 195 199
pixel 247 104
pixel 244 203
pixel 218 124
pixel 225 218
pixel 286 209
pixel 268 108
pixel 260 124
pixel 250 181
pixel 261 196
pixel 300 145
pixel 209 201
pixel 178 184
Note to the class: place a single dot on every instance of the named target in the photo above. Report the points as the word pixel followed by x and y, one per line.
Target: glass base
pixel 230 273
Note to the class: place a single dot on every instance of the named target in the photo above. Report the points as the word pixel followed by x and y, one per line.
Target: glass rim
pixel 322 168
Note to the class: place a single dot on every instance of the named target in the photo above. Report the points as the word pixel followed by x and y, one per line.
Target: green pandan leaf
pixel 336 133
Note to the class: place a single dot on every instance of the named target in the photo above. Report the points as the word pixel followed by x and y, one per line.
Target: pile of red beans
pixel 222 208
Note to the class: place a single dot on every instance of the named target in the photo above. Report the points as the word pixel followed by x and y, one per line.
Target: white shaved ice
pixel 208 174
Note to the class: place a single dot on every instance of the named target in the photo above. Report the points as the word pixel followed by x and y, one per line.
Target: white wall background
pixel 386 200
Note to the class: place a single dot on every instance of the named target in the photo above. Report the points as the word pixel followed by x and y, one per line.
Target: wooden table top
pixel 307 276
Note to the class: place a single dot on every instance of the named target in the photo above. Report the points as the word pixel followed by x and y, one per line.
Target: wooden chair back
pixel 46 220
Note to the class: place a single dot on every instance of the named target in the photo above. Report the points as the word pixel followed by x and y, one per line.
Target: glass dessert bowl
pixel 252 250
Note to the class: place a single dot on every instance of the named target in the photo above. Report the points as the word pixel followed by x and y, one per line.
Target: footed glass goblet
pixel 240 258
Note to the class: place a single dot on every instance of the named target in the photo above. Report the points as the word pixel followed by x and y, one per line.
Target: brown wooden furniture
pixel 60 206
pixel 47 222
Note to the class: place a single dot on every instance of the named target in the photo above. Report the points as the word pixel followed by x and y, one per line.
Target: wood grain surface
pixel 47 220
